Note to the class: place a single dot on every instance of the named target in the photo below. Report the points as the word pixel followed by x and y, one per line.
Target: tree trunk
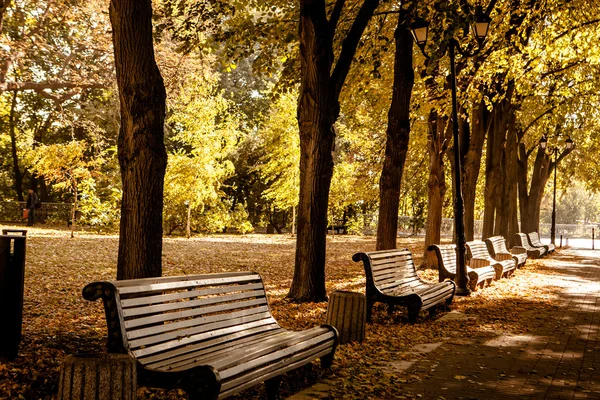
pixel 188 219
pixel 13 149
pixel 398 131
pixel 141 149
pixel 437 142
pixel 318 109
pixel 471 165
pixel 74 210
pixel 531 200
pixel 493 169
pixel 511 190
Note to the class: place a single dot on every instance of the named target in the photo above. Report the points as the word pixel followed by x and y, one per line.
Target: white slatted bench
pixel 534 240
pixel 497 248
pixel 533 252
pixel 392 279
pixel 446 256
pixel 212 335
pixel 479 256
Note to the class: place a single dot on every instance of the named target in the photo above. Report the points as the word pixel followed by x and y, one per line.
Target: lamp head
pixel 420 30
pixel 569 143
pixel 543 142
pixel 481 25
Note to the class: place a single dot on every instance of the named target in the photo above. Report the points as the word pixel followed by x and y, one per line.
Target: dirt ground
pixel 57 321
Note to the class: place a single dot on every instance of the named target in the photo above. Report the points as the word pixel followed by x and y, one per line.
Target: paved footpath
pixel 559 360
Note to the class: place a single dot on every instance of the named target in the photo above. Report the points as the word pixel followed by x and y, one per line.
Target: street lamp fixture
pixel 480 28
pixel 420 30
pixel 569 144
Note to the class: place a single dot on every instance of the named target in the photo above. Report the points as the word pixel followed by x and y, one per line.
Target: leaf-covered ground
pixel 57 321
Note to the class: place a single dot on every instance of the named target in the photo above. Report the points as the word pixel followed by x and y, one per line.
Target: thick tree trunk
pixel 437 142
pixel 141 149
pixel 318 109
pixel 510 186
pixel 493 168
pixel 471 165
pixel 398 131
pixel 13 149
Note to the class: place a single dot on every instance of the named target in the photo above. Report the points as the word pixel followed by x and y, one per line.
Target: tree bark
pixel 318 109
pixel 531 200
pixel 437 143
pixel 471 165
pixel 13 148
pixel 398 131
pixel 141 149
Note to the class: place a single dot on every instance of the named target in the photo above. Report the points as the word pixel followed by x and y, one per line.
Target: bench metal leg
pixel 326 361
pixel 433 311
pixel 272 386
pixel 413 313
pixel 203 384
pixel 370 304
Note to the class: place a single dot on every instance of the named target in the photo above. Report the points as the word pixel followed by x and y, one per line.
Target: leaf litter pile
pixel 57 321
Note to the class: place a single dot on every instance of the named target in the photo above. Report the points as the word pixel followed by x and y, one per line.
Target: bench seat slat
pixel 178 305
pixel 235 386
pixel 160 287
pixel 248 335
pixel 264 352
pixel 225 349
pixel 161 298
pixel 194 312
pixel 210 328
pixel 163 328
pixel 236 381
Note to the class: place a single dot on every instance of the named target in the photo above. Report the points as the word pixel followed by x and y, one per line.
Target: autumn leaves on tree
pixel 270 110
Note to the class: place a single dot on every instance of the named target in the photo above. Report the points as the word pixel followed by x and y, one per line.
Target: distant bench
pixel 392 279
pixel 212 335
pixel 446 257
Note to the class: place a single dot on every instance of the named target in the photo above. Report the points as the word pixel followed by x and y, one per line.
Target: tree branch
pixel 41 86
pixel 335 14
pixel 350 44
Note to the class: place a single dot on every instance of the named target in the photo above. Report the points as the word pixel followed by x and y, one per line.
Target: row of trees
pixel 214 94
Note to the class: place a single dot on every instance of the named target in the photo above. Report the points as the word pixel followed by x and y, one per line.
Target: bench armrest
pixel 518 250
pixel 503 256
pixel 479 262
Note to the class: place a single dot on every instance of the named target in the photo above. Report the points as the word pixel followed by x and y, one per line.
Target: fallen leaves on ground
pixel 57 321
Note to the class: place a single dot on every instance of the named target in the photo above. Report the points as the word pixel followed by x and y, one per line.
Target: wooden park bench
pixel 534 240
pixel 446 257
pixel 533 252
pixel 212 335
pixel 480 257
pixel 392 279
pixel 497 248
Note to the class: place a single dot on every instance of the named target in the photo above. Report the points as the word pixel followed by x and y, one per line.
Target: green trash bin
pixel 12 281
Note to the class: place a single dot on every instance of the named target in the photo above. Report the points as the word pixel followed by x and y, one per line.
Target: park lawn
pixel 57 321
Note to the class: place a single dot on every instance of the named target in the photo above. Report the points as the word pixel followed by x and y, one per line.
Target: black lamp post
pixel 554 150
pixel 480 27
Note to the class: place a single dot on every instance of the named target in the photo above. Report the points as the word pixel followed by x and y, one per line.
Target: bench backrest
pixel 534 239
pixel 154 316
pixel 446 256
pixel 478 249
pixel 524 242
pixel 496 245
pixel 389 270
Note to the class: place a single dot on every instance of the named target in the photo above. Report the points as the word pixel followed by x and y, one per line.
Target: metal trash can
pixel 12 281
